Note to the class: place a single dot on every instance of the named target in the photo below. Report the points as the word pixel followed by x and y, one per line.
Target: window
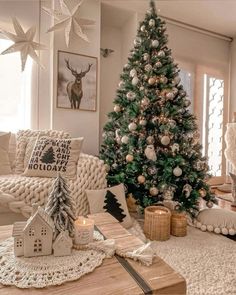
pixel 43 231
pixel 15 97
pixel 19 243
pixel 37 246
pixel 31 232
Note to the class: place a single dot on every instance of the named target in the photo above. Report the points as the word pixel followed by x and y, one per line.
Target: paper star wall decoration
pixel 23 42
pixel 68 19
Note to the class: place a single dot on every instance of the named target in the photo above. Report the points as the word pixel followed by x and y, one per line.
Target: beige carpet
pixel 227 197
pixel 207 261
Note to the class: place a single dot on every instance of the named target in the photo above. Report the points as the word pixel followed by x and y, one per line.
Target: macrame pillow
pixel 51 156
pixel 25 141
pixel 5 166
pixel 219 221
pixel 111 200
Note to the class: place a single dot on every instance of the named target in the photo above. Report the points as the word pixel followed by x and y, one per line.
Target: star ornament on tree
pixel 68 19
pixel 23 43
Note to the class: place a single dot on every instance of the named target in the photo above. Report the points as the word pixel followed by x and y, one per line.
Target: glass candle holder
pixel 84 228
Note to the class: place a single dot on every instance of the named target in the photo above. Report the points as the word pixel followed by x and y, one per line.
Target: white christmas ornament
pixel 177 171
pixel 155 43
pixel 117 108
pixel 130 95
pixel 176 80
pixel 161 53
pixel 132 126
pixel 148 68
pixel 170 95
pixel 150 139
pixel 68 19
pixel 145 101
pixel 143 29
pixel 137 41
pixel 145 56
pixel 153 191
pixel 135 81
pixel 151 23
pixel 150 152
pixel 165 140
pixel 133 73
pixel 143 122
pixel 121 84
pixel 23 42
pixel 125 139
pixel 175 148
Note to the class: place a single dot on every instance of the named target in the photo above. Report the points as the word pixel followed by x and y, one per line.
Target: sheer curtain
pixel 15 91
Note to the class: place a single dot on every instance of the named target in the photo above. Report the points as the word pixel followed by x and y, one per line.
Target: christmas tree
pixel 60 207
pixel 151 143
pixel 113 207
pixel 48 156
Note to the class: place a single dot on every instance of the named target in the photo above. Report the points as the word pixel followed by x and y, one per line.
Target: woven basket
pixel 157 223
pixel 178 224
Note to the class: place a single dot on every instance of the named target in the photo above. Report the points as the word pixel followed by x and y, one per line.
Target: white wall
pixel 111 67
pixel 232 106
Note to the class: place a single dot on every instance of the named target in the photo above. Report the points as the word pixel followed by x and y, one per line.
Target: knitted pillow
pixel 221 221
pixel 5 166
pixel 53 155
pixel 111 200
pixel 25 141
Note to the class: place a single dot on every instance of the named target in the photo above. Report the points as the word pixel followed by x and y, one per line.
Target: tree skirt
pixel 45 271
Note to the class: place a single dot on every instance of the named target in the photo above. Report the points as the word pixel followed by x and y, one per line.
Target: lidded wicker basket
pixel 157 223
pixel 178 224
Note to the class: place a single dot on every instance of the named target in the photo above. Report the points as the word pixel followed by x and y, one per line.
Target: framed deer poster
pixel 77 81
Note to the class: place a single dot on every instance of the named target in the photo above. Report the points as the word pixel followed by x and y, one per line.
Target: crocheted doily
pixel 45 271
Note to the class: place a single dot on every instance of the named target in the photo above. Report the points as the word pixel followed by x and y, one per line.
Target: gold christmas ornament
pixel 145 102
pixel 202 192
pixel 129 158
pixel 141 179
pixel 153 191
pixel 165 140
pixel 117 108
pixel 148 68
pixel 170 95
pixel 158 64
pixel 150 140
pixel 132 126
pixel 163 80
pixel 151 81
pixel 177 171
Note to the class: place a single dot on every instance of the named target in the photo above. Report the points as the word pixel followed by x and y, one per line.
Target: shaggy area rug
pixel 207 261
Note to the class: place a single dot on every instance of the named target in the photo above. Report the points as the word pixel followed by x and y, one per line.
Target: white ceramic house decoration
pixel 63 244
pixel 35 236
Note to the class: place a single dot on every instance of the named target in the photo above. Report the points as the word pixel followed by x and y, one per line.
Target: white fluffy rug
pixel 207 261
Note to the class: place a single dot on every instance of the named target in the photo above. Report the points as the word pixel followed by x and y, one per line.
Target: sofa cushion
pixel 221 221
pixel 25 141
pixel 5 166
pixel 111 200
pixel 53 155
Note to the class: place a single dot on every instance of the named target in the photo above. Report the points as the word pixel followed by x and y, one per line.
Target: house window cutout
pixel 43 231
pixel 37 246
pixel 31 232
pixel 19 243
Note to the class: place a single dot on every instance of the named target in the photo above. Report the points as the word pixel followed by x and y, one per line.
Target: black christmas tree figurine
pixel 48 157
pixel 151 141
pixel 61 208
pixel 113 207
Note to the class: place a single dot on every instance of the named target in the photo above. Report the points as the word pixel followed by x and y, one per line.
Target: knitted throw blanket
pixel 19 192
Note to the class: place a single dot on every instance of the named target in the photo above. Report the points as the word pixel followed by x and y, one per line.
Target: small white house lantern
pixel 63 244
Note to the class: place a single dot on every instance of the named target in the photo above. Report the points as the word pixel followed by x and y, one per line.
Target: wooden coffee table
pixel 116 276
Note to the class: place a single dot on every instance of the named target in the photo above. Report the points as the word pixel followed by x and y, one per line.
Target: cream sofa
pixel 18 192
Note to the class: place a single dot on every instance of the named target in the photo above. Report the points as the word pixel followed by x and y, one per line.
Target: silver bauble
pixel 151 23
pixel 145 102
pixel 117 108
pixel 121 84
pixel 150 139
pixel 148 68
pixel 170 95
pixel 133 73
pixel 152 170
pixel 165 140
pixel 177 171
pixel 125 139
pixel 132 126
pixel 153 191
pixel 141 88
pixel 145 56
pixel 158 64
pixel 155 43
pixel 131 95
pixel 161 53
pixel 135 81
pixel 143 28
pixel 172 123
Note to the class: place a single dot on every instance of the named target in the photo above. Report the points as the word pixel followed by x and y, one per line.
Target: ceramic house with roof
pixel 63 244
pixel 34 237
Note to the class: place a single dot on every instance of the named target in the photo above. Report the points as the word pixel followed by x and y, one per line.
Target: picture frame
pixel 76 81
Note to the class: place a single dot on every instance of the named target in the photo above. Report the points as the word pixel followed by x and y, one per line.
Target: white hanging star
pixel 68 20
pixel 23 42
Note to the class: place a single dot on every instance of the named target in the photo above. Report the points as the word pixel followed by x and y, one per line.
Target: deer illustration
pixel 74 88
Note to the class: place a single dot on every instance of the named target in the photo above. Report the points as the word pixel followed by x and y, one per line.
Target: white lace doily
pixel 45 271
